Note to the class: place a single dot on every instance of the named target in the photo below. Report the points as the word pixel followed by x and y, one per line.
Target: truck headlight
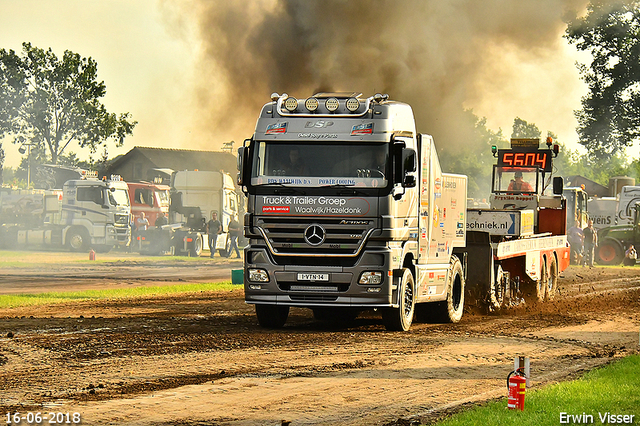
pixel 258 275
pixel 370 277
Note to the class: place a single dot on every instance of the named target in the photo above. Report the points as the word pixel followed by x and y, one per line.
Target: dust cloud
pixel 438 56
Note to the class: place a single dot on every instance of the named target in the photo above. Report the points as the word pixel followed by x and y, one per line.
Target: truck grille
pixel 315 237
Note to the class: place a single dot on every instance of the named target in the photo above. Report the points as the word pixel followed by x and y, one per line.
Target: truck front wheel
pixel 400 318
pixel 78 240
pixel 272 316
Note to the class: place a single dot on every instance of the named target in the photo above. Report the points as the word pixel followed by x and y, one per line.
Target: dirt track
pixel 201 359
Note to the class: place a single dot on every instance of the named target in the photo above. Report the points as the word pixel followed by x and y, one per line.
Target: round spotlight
pixel 331 104
pixel 291 104
pixel 311 104
pixel 353 104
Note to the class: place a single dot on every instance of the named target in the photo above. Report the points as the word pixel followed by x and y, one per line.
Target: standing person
pixel 575 237
pixel 213 229
pixel 161 220
pixel 590 243
pixel 142 223
pixel 234 231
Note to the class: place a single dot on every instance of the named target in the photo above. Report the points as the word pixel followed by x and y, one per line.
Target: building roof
pixel 182 159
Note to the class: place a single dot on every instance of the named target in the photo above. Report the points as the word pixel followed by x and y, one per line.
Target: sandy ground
pixel 201 358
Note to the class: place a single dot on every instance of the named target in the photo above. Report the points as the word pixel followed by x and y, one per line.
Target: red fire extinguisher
pixel 92 255
pixel 517 386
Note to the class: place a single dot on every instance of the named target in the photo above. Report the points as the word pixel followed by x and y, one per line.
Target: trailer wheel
pixel 78 240
pixel 542 283
pixel 609 252
pixel 552 280
pixel 451 310
pixel 400 318
pixel 272 316
pixel 497 294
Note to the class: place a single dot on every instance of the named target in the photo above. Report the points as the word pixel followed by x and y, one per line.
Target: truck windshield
pixel 119 197
pixel 163 198
pixel 515 180
pixel 321 164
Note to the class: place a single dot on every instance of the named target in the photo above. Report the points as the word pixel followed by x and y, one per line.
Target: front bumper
pixel 319 285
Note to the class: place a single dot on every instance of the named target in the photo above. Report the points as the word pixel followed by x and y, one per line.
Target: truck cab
pixel 348 209
pixel 95 213
pixel 150 198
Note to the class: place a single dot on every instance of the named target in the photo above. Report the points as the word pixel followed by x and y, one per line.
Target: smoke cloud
pixel 438 56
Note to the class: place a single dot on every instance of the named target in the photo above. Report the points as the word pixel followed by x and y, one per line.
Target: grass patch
pixel 18 300
pixel 614 389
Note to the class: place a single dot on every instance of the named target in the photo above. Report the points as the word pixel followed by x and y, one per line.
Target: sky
pixel 180 66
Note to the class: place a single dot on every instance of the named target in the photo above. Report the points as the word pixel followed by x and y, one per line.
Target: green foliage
pixel 522 129
pixel 52 102
pixel 475 160
pixel 610 116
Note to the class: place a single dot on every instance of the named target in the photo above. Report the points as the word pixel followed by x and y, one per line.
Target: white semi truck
pixel 86 213
pixel 348 209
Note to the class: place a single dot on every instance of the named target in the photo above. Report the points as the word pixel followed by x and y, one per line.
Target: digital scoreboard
pixel 541 158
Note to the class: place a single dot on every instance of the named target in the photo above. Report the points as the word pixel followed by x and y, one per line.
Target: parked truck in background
pixel 188 202
pixel 603 211
pixel 149 198
pixel 85 213
pixel 613 241
pixel 208 191
pixel 578 208
pixel 518 247
pixel 348 209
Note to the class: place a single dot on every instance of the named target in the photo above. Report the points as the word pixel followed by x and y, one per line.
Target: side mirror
pixel 558 185
pixel 242 152
pixel 408 160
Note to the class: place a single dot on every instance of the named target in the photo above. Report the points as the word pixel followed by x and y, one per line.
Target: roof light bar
pixel 291 104
pixel 331 104
pixel 353 104
pixel 311 104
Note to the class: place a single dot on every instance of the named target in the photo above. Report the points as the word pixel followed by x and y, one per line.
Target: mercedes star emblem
pixel 314 235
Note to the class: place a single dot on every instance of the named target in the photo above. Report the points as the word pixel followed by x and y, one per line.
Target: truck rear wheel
pixel 272 316
pixel 400 318
pixel 451 310
pixel 609 252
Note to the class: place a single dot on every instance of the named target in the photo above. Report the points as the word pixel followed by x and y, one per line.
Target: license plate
pixel 313 277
